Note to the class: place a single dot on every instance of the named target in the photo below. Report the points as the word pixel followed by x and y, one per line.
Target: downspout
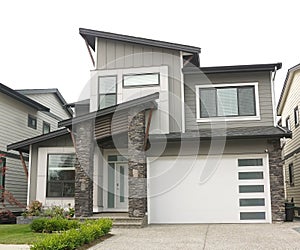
pixel 273 97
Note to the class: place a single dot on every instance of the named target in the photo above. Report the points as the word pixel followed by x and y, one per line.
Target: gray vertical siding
pixel 113 55
pixel 264 91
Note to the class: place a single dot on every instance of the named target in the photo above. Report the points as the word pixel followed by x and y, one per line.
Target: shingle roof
pixel 24 99
pixel 142 101
pixel 24 144
pixel 229 133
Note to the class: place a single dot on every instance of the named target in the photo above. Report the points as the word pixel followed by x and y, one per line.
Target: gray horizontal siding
pixel 113 55
pixel 264 90
pixel 293 192
pixel 51 101
pixel 16 183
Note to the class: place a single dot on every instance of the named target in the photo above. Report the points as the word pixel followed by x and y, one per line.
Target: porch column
pixel 137 169
pixel 84 145
pixel 276 180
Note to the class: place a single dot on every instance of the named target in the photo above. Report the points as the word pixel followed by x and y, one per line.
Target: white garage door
pixel 190 189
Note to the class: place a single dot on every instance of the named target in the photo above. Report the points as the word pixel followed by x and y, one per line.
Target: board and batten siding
pixel 264 91
pixel 51 101
pixel 292 101
pixel 119 55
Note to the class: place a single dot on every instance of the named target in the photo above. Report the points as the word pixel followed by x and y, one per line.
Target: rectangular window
pixel 46 128
pixel 251 188
pixel 252 202
pixel 291 174
pixel 251 175
pixel 140 80
pixel 296 116
pixel 235 101
pixel 252 215
pixel 61 175
pixel 32 121
pixel 2 177
pixel 107 91
pixel 250 162
pixel 288 123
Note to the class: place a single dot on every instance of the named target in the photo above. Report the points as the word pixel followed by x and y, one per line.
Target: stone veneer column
pixel 137 169
pixel 84 139
pixel 276 180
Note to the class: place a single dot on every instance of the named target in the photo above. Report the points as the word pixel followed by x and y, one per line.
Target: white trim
pixel 148 192
pixel 106 153
pixel 273 98
pixel 29 174
pixel 236 118
pixel 182 94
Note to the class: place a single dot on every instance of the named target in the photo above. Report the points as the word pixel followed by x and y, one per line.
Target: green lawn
pixel 17 234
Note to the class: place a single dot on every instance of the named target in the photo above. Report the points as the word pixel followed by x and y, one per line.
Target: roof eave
pixel 90 36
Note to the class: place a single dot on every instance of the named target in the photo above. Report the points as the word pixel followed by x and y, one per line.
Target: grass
pixel 18 234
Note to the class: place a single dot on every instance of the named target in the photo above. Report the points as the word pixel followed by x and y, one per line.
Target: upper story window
pixel 107 91
pixel 238 101
pixel 141 80
pixel 61 175
pixel 32 121
pixel 296 116
pixel 288 123
pixel 46 128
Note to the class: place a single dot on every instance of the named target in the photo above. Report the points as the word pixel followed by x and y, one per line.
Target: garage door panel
pixel 177 193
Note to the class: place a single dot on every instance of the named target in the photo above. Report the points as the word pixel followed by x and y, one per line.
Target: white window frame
pixel 236 118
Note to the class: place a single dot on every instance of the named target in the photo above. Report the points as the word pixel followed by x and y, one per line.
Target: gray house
pixel 24 116
pixel 165 139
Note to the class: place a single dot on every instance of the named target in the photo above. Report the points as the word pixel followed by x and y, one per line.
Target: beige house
pixel 288 109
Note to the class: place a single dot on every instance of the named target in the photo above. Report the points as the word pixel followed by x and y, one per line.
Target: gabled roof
pixel 21 98
pixel 91 35
pixel 286 88
pixel 48 91
pixel 229 133
pixel 232 68
pixel 145 101
pixel 24 144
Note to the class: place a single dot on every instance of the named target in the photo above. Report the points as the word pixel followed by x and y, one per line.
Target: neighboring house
pixel 24 117
pixel 288 108
pixel 165 138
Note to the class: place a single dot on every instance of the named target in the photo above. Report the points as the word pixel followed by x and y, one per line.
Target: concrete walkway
pixel 213 236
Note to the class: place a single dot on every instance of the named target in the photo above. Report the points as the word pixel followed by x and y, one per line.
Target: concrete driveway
pixel 213 236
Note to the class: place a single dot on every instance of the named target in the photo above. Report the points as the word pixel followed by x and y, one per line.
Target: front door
pixel 117 198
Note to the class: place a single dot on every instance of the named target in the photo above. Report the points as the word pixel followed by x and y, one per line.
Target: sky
pixel 40 45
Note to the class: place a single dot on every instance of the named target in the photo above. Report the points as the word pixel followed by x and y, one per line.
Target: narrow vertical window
pixel 107 91
pixel 291 174
pixel 32 121
pixel 46 128
pixel 296 116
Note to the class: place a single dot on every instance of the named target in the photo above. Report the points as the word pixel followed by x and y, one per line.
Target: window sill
pixel 227 119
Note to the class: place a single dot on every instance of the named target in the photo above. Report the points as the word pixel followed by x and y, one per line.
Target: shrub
pixel 53 224
pixel 73 238
pixel 34 209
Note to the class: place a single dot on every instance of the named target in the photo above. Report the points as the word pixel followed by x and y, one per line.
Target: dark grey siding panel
pixel 264 91
pixel 113 55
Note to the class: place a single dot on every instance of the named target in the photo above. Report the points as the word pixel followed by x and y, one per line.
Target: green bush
pixel 53 224
pixel 89 231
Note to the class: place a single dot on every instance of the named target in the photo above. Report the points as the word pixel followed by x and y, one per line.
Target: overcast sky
pixel 40 46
